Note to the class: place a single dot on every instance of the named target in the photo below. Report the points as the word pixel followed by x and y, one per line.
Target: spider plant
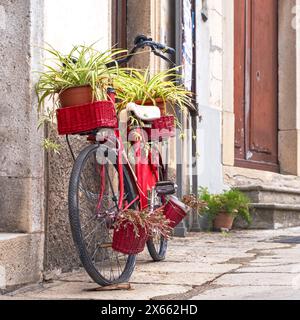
pixel 82 66
pixel 134 85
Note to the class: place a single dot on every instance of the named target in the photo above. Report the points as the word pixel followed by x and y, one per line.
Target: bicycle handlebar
pixel 142 41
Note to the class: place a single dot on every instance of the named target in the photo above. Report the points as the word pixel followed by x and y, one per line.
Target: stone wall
pixel 21 158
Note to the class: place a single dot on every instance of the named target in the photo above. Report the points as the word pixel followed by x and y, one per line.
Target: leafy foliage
pixel 134 85
pixel 83 65
pixel 233 202
pixel 50 145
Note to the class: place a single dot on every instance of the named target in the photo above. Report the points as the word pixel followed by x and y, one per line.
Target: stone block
pixel 228 138
pixel 21 205
pixel 21 259
pixel 269 194
pixel 288 152
pixel 272 216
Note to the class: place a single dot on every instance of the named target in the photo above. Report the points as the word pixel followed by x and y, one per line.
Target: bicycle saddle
pixel 145 113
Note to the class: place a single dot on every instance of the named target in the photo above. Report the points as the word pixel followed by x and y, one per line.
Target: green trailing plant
pixel 153 223
pixel 232 202
pixel 82 66
pixel 135 85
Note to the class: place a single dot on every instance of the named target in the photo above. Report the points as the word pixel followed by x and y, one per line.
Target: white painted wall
pixel 71 22
pixel 210 95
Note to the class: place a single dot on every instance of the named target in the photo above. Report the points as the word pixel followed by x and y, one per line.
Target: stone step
pixel 20 259
pixel 267 194
pixel 272 216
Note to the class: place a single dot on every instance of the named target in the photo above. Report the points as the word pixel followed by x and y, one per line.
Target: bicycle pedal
pixel 165 188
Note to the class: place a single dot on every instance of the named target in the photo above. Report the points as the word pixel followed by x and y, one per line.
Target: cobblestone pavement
pixel 239 265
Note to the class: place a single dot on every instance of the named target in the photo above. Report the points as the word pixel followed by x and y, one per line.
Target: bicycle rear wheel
pixel 94 191
pixel 158 245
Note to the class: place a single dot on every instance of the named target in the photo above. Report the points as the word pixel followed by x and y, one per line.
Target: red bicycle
pixel 104 182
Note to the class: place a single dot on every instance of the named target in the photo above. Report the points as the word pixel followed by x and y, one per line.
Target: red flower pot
pixel 126 241
pixel 175 211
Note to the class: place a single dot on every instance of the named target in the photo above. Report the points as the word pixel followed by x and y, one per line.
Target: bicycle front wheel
pixel 94 192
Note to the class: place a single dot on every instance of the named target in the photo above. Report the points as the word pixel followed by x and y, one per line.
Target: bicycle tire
pixel 158 248
pixel 76 227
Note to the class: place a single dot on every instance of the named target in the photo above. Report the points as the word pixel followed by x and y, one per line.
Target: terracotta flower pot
pixel 76 96
pixel 159 103
pixel 223 221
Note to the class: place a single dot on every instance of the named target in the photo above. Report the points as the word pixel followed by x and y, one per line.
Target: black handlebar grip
pixel 169 50
pixel 165 48
pixel 141 38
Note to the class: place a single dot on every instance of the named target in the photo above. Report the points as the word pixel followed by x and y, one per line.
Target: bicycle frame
pixel 145 173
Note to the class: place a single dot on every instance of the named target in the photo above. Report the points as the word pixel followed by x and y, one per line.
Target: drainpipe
pixel 195 227
pixel 181 229
pixel 195 117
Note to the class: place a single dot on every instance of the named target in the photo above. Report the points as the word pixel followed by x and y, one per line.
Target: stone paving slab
pixel 250 293
pixel 183 278
pixel 243 265
pixel 256 279
pixel 293 268
pixel 83 290
pixel 183 267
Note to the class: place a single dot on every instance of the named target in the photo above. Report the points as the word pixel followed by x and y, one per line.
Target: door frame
pixel 118 21
pixel 289 106
pixel 247 98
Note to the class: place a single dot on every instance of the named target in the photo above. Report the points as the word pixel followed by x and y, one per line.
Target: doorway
pixel 256 84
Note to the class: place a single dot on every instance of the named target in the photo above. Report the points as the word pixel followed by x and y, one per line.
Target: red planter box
pixel 175 211
pixel 87 117
pixel 125 240
pixel 162 128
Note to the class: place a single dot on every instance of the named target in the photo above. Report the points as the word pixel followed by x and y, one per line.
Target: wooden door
pixel 256 84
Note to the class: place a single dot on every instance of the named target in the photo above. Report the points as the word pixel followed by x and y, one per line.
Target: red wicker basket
pixel 175 211
pixel 126 241
pixel 162 128
pixel 87 117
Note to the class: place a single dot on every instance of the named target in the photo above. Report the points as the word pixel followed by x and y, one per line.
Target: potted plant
pixel 79 77
pixel 133 228
pixel 141 87
pixel 223 208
